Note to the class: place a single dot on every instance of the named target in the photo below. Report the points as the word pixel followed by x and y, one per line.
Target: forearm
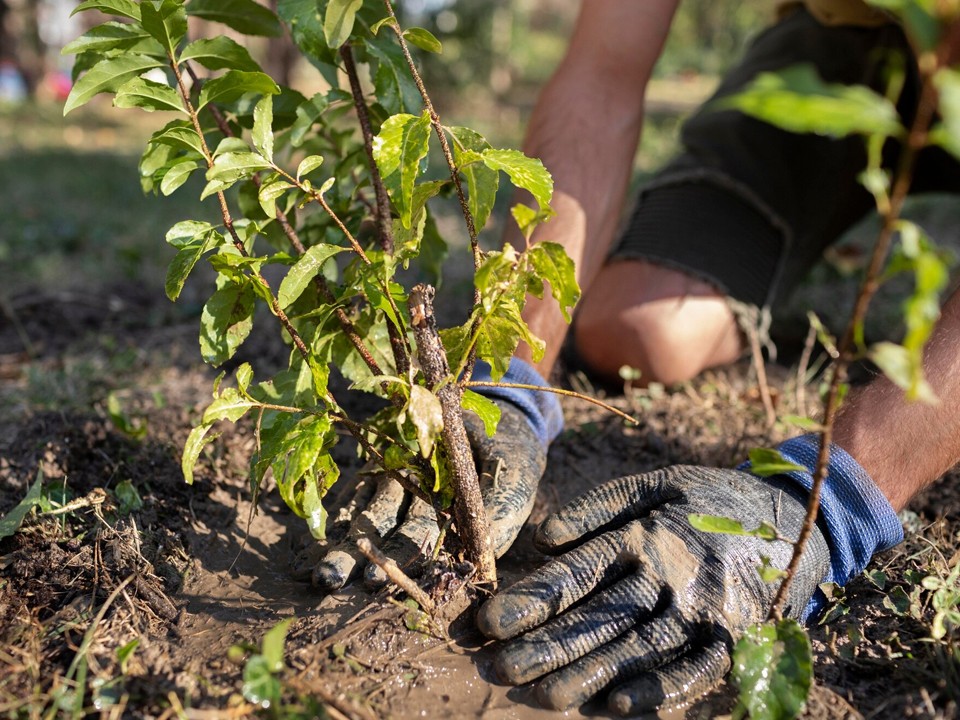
pixel 585 127
pixel 905 446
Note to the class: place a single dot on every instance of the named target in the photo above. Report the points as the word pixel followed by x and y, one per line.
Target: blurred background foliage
pixel 71 211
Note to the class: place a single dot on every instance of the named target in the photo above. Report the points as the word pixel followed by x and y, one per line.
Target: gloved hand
pixel 662 602
pixel 510 464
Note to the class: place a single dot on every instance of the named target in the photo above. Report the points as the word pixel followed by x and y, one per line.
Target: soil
pixel 192 572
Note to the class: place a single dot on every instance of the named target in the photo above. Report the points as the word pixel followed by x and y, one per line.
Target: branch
pixel 916 139
pixel 471 519
pixel 398 343
pixel 555 391
pixel 397 576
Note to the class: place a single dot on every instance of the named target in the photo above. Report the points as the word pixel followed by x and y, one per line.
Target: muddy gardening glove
pixel 662 603
pixel 510 466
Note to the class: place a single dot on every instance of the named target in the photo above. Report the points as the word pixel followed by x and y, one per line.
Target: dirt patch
pixel 179 581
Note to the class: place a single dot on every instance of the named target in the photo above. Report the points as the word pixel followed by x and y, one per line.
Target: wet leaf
pixel 308 165
pixel 259 684
pixel 272 644
pixel 263 127
pixel 773 670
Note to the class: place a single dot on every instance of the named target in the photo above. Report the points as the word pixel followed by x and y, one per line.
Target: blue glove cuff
pixel 858 517
pixel 542 409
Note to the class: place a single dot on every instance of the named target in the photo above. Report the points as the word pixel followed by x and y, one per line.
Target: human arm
pixel 585 128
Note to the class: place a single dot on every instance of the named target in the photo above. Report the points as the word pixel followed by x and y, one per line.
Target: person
pixel 640 605
pixel 637 604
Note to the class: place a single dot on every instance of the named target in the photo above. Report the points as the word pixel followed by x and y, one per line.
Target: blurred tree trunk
pixel 21 39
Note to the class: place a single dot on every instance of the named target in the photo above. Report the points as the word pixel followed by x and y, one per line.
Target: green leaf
pixel 773 669
pixel 482 182
pixel 136 429
pixel 148 95
pixel 105 37
pixel 263 127
pixel 272 645
pixel 245 16
pixel 423 39
pixel 106 76
pixel 402 143
pixel 804 423
pixel 919 18
pixel 198 438
pixel 485 408
pixel 11 522
pixel 387 21
pixel 768 572
pixel 338 21
pixel 394 87
pixel 307 114
pixel 305 269
pixel 268 194
pixel 128 499
pixel 527 173
pixel 904 369
pixel 219 53
pixel 178 174
pixel 308 165
pixel 765 462
pixel 166 22
pixel 426 414
pixel 797 100
pixel 226 321
pixel 499 336
pixel 729 526
pixel 179 134
pixel 259 684
pixel 553 265
pixel 235 83
pixel 228 405
pixel 125 652
pixel 897 601
pixel 231 167
pixel 528 219
pixel 123 8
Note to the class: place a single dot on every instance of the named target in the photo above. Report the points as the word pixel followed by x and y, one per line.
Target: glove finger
pixel 641 648
pixel 578 632
pixel 611 504
pixel 673 685
pixel 380 517
pixel 553 588
pixel 417 532
pixel 511 464
pixel 313 550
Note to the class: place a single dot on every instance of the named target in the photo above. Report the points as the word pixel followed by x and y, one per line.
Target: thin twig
pixel 802 371
pixel 555 391
pixel 396 575
pixel 916 139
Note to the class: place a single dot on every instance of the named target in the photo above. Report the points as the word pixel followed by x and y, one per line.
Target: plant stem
pixel 468 510
pixel 228 219
pixel 555 391
pixel 398 342
pixel 397 576
pixel 916 139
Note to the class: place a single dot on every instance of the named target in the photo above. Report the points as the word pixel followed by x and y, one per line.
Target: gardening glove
pixel 510 465
pixel 662 603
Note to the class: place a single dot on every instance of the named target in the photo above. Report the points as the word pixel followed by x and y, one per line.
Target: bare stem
pixel 397 576
pixel 916 139
pixel 555 391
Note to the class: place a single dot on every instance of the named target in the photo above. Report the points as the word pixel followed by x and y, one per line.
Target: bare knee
pixel 665 324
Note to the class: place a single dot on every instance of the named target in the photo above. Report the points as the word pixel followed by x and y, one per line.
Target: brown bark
pixel 468 511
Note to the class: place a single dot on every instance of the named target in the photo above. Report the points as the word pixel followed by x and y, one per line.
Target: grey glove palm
pixel 510 465
pixel 661 602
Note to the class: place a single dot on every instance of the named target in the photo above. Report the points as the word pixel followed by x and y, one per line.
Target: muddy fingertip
pixel 490 619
